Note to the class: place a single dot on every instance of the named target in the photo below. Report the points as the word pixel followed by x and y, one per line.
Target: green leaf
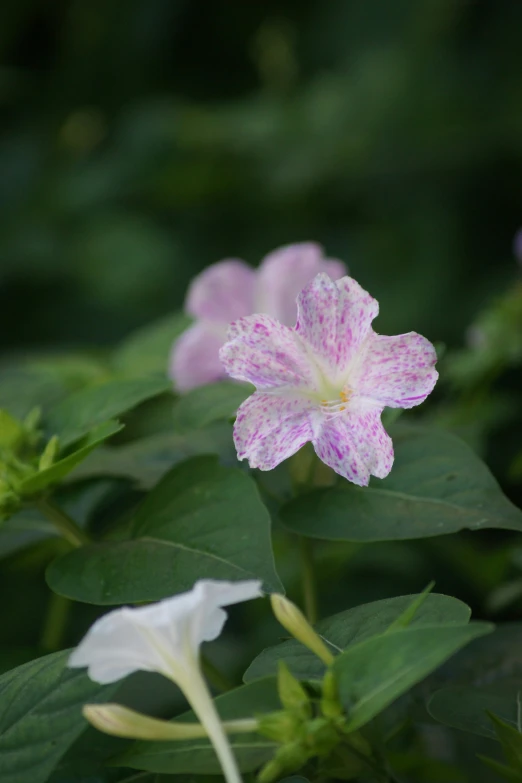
pixel 40 716
pixel 201 520
pixel 409 613
pixel 486 660
pixel 466 707
pixel 437 486
pixel 510 738
pixel 147 460
pixel 375 672
pixel 146 351
pixel 206 404
pixel 78 414
pixel 197 756
pixel 345 629
pixel 54 474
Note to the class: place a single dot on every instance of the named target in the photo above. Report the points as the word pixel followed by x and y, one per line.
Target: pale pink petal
pixel 355 444
pixel 265 353
pixel 285 272
pixel 270 428
pixel 222 292
pixel 335 318
pixel 397 371
pixel 194 358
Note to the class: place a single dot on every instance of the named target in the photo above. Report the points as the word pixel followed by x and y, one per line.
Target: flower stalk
pixel 120 721
pixel 67 528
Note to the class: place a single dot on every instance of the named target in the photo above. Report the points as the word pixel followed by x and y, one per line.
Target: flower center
pixel 332 408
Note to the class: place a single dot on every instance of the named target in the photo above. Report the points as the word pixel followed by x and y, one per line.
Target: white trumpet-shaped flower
pixel 165 638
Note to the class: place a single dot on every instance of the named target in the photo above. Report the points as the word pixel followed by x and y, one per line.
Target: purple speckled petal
pixel 335 318
pixel 262 351
pixel 270 428
pixel 397 371
pixel 194 358
pixel 356 445
pixel 284 273
pixel 222 292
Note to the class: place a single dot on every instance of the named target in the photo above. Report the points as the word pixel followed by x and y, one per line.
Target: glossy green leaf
pixel 54 474
pixel 375 672
pixel 437 486
pixel 203 520
pixel 77 415
pixel 353 626
pixel 206 404
pixel 466 707
pixel 40 716
pixel 197 756
pixel 146 351
pixel 488 660
pixel 146 460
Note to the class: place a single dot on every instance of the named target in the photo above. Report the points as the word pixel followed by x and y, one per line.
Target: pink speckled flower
pixel 231 289
pixel 325 381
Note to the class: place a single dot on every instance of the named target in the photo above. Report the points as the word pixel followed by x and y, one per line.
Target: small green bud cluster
pixel 20 457
pixel 310 727
pixel 305 728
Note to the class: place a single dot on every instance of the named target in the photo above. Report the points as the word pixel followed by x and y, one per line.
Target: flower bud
pixel 119 721
pixel 296 623
pixel 322 736
pixel 289 758
pixel 280 726
pixel 292 694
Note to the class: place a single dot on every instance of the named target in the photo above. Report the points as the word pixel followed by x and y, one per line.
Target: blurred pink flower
pixel 326 381
pixel 230 289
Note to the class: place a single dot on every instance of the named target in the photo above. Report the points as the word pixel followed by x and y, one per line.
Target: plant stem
pixel 308 579
pixel 199 698
pixel 67 528
pixel 214 676
pixel 55 621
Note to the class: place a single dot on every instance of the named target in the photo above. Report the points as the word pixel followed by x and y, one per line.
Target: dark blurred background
pixel 144 139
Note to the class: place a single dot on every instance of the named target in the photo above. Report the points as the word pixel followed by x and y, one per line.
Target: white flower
pixel 165 638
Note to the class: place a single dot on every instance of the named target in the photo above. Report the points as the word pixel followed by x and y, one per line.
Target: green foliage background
pixel 143 140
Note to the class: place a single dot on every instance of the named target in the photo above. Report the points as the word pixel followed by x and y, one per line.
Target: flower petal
pixel 397 371
pixel 265 353
pixel 162 637
pixel 270 428
pixel 114 647
pixel 211 594
pixel 194 358
pixel 285 272
pixel 356 445
pixel 335 318
pixel 222 292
